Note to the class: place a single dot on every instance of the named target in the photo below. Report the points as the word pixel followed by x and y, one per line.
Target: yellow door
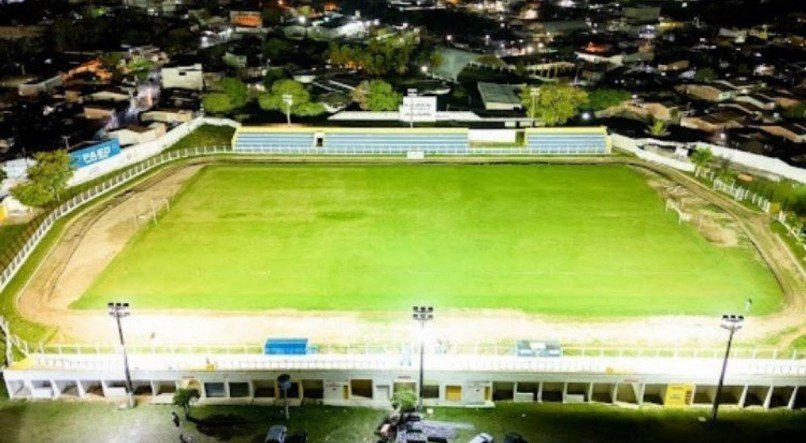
pixel 453 393
pixel 346 392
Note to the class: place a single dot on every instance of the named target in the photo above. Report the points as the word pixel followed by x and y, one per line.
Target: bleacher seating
pixel 255 141
pixel 402 141
pixel 567 143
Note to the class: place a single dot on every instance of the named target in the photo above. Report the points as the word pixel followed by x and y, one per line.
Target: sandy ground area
pixel 92 240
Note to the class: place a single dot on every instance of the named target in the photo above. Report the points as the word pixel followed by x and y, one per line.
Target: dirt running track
pixel 93 239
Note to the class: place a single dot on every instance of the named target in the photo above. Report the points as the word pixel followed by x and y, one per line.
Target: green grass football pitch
pixel 554 239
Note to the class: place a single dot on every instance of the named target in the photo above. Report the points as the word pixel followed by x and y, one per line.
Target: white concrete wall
pixel 137 153
pixel 633 146
pixel 492 135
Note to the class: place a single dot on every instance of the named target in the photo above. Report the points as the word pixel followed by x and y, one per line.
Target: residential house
pixel 794 132
pixel 716 121
pixel 38 86
pixel 759 100
pixel 136 134
pixel 183 77
pixel 499 97
pixel 714 92
pixel 167 115
pixel 337 26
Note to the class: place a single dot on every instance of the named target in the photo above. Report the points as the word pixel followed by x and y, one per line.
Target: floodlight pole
pixel 422 314
pixel 288 99
pixel 118 311
pixel 534 93
pixel 732 323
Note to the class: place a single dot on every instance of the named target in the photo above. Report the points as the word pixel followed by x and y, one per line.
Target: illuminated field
pixel 575 240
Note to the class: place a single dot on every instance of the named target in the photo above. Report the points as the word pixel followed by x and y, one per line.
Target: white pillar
pixel 768 397
pixel 614 394
pixel 539 392
pixel 743 397
pixel 590 392
pixel 565 391
pixel 792 398
pixel 80 388
pixel 155 387
pixel 251 385
pixel 639 389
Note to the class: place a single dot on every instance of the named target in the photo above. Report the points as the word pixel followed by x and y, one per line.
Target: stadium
pixel 332 234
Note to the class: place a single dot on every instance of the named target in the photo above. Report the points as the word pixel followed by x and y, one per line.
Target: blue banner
pixel 95 153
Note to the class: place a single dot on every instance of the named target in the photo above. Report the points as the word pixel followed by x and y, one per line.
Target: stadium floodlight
pixel 732 323
pixel 288 99
pixel 119 310
pixel 422 314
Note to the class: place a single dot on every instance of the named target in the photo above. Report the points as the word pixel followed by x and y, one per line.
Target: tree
pixel 217 103
pixel 178 40
pixel 658 128
pixel 184 398
pixel 555 104
pixel 435 60
pixel 232 95
pixel 272 75
pixel 405 400
pixel 275 47
pixel 702 158
pixel 31 194
pixel 236 90
pixel 604 98
pixel 705 75
pixel 300 98
pixel 3 175
pixel 47 179
pixel 376 95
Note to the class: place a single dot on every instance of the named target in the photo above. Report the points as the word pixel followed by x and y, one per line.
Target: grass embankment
pixel 83 422
pixel 570 240
pixel 205 136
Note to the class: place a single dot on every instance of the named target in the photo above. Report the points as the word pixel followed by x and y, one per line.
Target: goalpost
pixel 682 216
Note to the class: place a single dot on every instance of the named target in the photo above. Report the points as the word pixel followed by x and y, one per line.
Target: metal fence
pixel 752 353
pixel 704 367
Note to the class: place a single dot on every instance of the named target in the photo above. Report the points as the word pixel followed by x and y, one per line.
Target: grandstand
pixel 567 140
pixel 249 139
pixel 426 139
pixel 448 141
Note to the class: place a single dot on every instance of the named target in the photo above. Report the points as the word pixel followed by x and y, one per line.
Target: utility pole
pixel 732 323
pixel 422 314
pixel 118 311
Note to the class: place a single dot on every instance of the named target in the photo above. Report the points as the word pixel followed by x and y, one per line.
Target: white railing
pixel 92 193
pixel 752 353
pixel 693 367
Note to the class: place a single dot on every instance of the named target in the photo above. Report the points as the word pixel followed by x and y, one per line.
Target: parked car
pixel 514 437
pixel 482 438
pixel 530 348
pixel 276 434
